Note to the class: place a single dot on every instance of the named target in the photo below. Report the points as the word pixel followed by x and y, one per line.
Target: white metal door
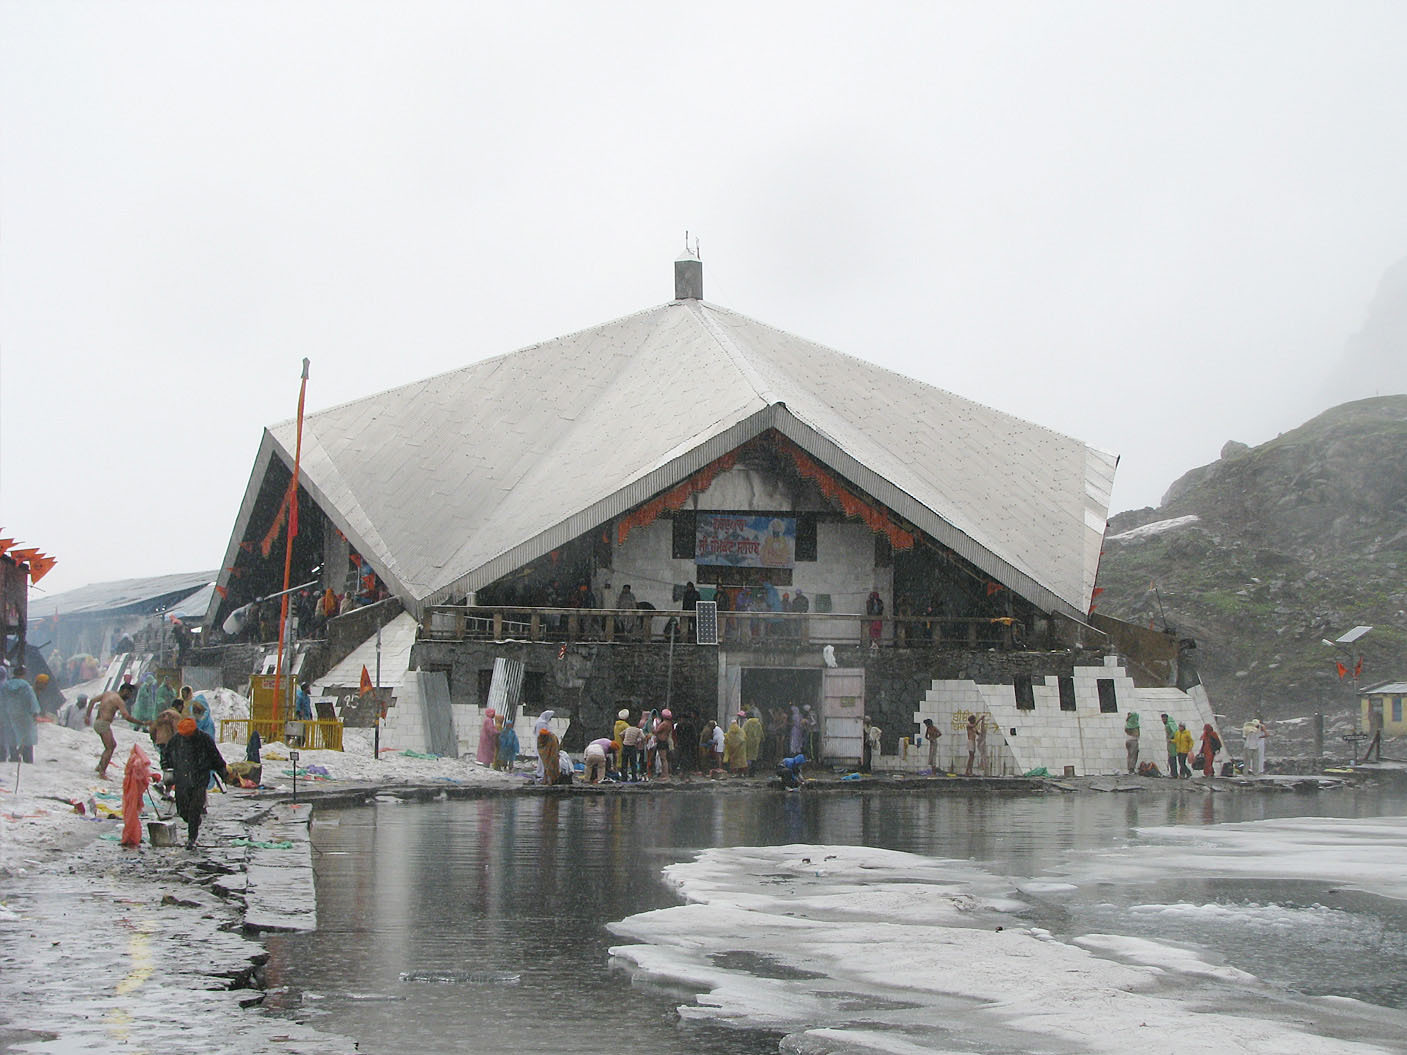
pixel 842 707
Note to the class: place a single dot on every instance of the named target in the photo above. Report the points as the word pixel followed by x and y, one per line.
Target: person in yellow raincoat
pixel 549 750
pixel 752 739
pixel 735 749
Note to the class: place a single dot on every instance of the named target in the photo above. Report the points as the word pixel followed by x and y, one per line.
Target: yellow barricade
pixel 314 735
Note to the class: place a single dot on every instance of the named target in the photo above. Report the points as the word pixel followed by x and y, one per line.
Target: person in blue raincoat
pixel 199 709
pixel 507 748
pixel 19 706
pixel 303 704
pixel 789 771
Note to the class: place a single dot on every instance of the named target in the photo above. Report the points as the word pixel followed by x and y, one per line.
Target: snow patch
pixel 1158 527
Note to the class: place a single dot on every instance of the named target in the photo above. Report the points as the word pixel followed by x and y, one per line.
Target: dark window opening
pixel 1108 701
pixel 1067 694
pixel 485 683
pixel 685 541
pixel 1025 694
pixel 533 684
pixel 883 552
pixel 806 537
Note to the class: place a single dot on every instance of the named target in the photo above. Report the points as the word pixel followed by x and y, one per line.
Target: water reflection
pixel 524 885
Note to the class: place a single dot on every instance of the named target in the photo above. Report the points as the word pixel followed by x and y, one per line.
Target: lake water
pixel 481 924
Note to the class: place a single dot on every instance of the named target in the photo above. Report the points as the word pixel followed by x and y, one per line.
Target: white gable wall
pixel 844 568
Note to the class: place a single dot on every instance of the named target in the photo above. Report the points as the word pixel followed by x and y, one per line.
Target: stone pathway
pixel 112 950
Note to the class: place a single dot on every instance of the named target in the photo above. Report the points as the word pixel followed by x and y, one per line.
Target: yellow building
pixel 1382 708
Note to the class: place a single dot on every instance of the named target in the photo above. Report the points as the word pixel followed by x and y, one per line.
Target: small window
pixel 1108 699
pixel 1397 709
pixel 485 683
pixel 1067 694
pixel 685 541
pixel 806 537
pixel 532 688
pixel 883 552
pixel 1025 695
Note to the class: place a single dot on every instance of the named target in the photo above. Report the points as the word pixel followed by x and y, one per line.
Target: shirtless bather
pixel 109 705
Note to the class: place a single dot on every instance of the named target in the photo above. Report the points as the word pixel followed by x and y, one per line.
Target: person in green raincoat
pixel 145 709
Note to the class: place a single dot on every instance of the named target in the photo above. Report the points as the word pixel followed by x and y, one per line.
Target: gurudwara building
pixel 875 547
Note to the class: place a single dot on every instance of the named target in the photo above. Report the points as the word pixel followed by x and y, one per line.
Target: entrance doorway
pixel 772 687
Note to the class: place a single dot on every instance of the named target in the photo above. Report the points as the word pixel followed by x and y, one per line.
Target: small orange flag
pixel 40 567
pixel 366 680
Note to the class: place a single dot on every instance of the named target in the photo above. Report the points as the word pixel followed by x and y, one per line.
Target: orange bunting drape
pixel 675 497
pixel 851 504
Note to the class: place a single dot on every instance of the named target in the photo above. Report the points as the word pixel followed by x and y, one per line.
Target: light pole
pixel 1346 662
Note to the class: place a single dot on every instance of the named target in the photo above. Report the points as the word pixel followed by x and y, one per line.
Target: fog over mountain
pixel 1374 361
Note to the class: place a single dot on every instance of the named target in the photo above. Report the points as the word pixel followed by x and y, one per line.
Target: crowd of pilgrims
pixel 655 745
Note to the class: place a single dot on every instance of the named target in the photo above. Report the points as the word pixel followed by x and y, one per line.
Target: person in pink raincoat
pixel 488 738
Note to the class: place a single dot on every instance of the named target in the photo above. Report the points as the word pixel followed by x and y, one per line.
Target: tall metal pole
pixel 291 534
pixel 376 699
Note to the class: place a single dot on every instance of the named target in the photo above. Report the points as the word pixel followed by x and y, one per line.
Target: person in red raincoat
pixel 1210 746
pixel 135 779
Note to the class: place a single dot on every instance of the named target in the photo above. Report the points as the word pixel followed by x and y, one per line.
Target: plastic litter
pixel 1039 771
pixel 277 845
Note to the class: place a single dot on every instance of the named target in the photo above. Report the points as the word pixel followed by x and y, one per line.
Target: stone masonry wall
pixel 590 683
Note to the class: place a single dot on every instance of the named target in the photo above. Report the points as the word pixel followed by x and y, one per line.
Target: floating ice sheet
pixel 879 951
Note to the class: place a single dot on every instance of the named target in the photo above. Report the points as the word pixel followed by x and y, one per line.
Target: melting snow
pixel 1155 528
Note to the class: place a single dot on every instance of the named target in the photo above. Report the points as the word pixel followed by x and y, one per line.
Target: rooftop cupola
pixel 688 273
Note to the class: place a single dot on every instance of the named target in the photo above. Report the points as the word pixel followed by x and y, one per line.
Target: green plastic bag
pixel 1039 771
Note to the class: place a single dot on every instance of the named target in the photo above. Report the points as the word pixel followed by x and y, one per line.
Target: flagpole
pixel 292 533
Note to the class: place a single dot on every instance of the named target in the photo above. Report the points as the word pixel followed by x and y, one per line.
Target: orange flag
pixel 366 680
pixel 1342 669
pixel 40 567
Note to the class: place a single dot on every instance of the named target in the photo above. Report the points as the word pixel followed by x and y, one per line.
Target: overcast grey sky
pixel 1151 226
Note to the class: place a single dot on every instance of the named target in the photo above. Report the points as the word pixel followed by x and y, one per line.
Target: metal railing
pixel 517 623
pixel 316 735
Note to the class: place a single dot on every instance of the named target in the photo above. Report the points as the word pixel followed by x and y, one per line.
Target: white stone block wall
pixel 1090 741
pixel 404 726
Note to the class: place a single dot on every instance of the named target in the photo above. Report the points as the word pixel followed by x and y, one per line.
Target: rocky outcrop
pixel 1270 549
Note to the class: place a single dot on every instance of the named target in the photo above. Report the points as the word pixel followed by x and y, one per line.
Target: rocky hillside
pixel 1269 550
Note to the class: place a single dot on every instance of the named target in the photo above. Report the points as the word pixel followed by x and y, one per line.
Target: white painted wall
pixel 844 568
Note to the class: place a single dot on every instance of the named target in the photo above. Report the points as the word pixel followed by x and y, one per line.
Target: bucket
pixel 162 833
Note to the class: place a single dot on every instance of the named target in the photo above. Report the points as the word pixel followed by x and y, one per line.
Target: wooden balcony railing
pixel 515 623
